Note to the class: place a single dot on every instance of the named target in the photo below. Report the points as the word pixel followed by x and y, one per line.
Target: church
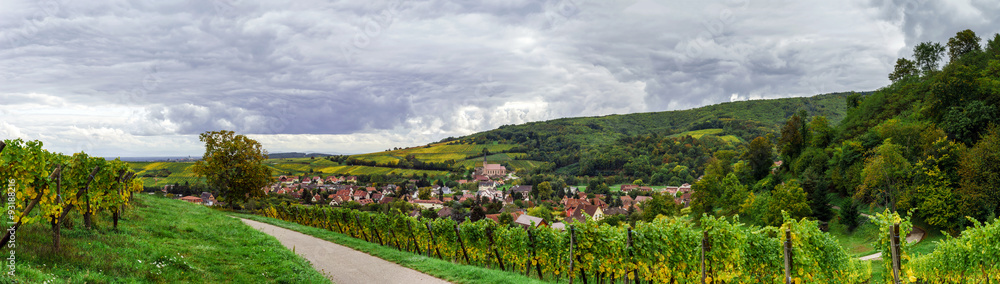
pixel 491 170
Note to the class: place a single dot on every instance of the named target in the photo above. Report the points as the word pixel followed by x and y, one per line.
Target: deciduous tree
pixel 234 165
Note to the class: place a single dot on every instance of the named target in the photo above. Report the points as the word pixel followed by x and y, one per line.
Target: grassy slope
pixel 452 272
pixel 160 241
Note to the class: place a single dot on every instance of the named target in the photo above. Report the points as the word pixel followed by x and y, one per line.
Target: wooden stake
pixel 571 237
pixel 433 243
pixel 788 256
pixel 460 243
pixel 496 253
pixel 894 246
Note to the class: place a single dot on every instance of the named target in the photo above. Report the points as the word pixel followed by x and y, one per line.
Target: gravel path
pixel 342 264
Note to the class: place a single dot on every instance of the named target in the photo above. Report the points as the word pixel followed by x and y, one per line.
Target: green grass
pixel 159 241
pixel 446 270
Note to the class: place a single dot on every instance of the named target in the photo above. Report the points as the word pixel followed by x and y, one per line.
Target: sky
pixel 144 78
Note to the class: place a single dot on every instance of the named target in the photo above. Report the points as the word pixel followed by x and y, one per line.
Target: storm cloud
pixel 144 78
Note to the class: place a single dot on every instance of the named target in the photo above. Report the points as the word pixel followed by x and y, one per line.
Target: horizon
pixel 144 79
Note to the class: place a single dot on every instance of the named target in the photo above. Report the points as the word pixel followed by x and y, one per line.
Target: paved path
pixel 342 264
pixel 914 237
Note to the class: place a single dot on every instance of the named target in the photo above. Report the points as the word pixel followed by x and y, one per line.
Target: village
pixel 491 192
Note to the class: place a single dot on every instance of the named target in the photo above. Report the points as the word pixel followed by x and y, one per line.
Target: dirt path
pixel 914 237
pixel 342 264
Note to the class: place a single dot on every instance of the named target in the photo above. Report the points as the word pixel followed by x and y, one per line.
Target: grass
pixel 457 273
pixel 158 241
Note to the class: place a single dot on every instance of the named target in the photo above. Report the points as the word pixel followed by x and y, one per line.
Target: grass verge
pixel 453 272
pixel 158 241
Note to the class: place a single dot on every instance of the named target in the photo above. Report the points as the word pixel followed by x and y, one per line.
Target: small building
pixel 192 199
pixel 527 221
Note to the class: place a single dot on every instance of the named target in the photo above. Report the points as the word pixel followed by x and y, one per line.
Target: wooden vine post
pixel 433 243
pixel 375 228
pixel 414 238
pixel 55 218
pixel 631 255
pixel 87 221
pixel 788 256
pixel 461 244
pixel 571 237
pixel 357 220
pixel 392 235
pixel 496 253
pixel 531 244
pixel 894 247
pixel 705 247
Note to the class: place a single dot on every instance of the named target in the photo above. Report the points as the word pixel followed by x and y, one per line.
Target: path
pixel 342 264
pixel 915 236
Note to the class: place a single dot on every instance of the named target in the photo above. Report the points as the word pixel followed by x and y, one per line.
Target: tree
pixel 884 174
pixel 541 212
pixel 980 172
pixel 790 198
pixel 506 219
pixel 904 68
pixel 234 165
pixel 964 42
pixel 792 139
pixel 477 213
pixel 927 56
pixel 733 195
pixel 850 216
pixel 544 190
pixel 661 204
pixel 424 193
pixel 819 203
pixel 760 154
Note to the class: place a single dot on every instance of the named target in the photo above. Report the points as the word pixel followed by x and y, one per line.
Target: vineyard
pixel 57 184
pixel 667 250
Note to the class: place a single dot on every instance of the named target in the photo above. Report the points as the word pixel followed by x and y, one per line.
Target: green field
pixel 159 240
pixel 697 134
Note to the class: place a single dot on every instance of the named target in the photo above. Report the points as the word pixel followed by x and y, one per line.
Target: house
pixel 385 200
pixel 317 198
pixel 628 187
pixel 642 198
pixel 377 196
pixel 524 190
pixel 627 201
pixel 208 198
pixel 192 199
pixel 429 204
pixel 365 201
pixel 528 221
pixel 360 194
pixel 615 211
pixel 487 185
pixel 351 179
pixel 445 212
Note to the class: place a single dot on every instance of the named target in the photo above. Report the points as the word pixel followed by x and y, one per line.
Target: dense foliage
pixel 666 250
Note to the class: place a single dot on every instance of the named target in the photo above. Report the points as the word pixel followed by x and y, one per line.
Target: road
pixel 342 264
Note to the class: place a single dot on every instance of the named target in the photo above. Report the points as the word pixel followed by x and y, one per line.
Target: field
pixel 714 131
pixel 159 241
pixel 437 153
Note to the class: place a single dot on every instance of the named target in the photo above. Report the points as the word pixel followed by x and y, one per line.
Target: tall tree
pixel 962 43
pixel 792 139
pixel 760 154
pixel 234 165
pixel 884 174
pixel 904 68
pixel 927 56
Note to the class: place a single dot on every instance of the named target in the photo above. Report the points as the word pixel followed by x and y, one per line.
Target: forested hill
pixel 581 145
pixel 744 119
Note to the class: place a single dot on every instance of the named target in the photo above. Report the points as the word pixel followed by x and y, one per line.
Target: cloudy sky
pixel 143 78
